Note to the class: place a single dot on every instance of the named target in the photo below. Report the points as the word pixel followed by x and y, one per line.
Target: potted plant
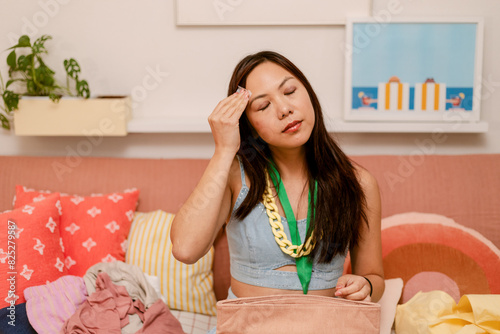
pixel 64 110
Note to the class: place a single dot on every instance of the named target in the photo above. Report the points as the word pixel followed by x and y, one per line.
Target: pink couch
pixel 448 198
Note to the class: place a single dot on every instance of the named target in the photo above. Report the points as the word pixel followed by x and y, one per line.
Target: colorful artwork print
pixel 414 68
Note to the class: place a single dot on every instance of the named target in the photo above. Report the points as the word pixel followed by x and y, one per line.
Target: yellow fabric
pixel 436 312
pixel 185 287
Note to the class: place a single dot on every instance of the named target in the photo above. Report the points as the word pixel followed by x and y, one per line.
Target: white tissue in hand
pixel 241 88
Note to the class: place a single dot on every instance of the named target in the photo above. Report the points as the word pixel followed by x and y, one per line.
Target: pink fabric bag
pixel 297 314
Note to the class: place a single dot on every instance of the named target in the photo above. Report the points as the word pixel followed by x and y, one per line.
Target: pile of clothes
pixel 112 297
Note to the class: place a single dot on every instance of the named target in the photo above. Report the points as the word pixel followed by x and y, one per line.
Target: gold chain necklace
pixel 277 227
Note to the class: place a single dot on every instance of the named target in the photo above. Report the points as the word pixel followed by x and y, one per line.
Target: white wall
pixel 119 43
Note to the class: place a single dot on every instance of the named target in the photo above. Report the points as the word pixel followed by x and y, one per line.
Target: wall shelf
pixel 163 125
pixel 410 127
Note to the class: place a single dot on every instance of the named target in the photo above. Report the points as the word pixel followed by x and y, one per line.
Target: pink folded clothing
pixel 49 306
pixel 107 310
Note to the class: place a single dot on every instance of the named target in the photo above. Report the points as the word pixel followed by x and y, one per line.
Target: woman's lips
pixel 292 126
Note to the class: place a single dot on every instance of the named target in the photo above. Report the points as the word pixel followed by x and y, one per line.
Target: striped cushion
pixel 49 306
pixel 185 287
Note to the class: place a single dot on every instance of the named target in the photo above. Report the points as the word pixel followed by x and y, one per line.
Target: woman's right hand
pixel 210 202
pixel 224 122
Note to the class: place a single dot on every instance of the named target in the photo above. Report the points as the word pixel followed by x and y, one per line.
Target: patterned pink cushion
pixel 93 228
pixel 31 253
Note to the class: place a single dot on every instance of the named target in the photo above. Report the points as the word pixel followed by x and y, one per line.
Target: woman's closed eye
pixel 287 92
pixel 264 107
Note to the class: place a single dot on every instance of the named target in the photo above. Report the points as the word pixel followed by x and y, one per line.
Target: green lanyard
pixel 304 266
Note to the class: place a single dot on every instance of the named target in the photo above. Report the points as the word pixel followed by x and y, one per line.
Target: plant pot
pixel 104 116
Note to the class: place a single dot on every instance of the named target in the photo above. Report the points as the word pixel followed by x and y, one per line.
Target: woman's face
pixel 279 110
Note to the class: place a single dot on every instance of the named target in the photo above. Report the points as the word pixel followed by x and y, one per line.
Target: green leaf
pixel 39 44
pixel 31 88
pixel 5 122
pixel 40 60
pixel 45 76
pixel 24 41
pixel 55 97
pixel 11 100
pixel 44 38
pixel 9 83
pixel 11 59
pixel 72 68
pixel 46 69
pixel 82 88
pixel 24 62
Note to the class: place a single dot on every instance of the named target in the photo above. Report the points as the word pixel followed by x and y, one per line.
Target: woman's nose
pixel 284 109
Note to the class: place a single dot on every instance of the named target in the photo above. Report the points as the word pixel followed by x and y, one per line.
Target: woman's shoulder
pixel 365 178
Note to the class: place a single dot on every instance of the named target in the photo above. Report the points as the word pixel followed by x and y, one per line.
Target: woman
pixel 271 145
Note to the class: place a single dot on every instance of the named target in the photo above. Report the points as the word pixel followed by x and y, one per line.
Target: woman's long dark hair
pixel 340 204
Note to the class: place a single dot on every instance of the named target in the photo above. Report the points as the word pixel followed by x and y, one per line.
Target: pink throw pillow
pixel 93 228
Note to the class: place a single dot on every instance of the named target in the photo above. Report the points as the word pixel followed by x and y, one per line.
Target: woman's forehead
pixel 267 75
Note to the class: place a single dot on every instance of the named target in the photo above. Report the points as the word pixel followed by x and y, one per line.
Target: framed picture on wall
pixel 268 13
pixel 413 69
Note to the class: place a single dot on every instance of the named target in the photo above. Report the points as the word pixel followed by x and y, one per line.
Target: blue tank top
pixel 254 253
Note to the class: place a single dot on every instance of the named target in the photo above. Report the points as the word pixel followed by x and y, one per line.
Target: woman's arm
pixel 366 257
pixel 201 217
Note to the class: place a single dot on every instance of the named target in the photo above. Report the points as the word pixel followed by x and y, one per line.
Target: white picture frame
pixel 413 69
pixel 265 12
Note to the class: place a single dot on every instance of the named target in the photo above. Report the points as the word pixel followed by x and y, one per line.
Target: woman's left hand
pixel 353 287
